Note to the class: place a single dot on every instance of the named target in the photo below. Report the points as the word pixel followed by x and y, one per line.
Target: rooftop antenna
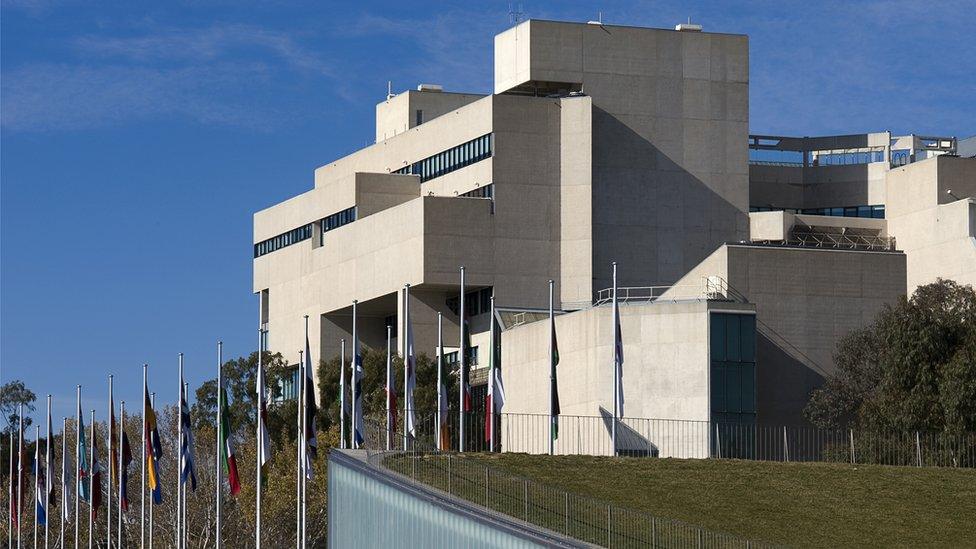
pixel 514 16
pixel 389 90
pixel 599 20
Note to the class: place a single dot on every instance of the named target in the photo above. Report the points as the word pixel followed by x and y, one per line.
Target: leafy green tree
pixel 914 368
pixel 13 394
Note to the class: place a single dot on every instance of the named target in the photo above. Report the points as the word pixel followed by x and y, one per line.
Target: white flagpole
pixel 91 483
pixel 552 327
pixel 491 371
pixel 298 461
pixel 220 437
pixel 342 393
pixel 462 361
pixel 305 461
pixel 20 470
pixel 121 462
pixel 616 404
pixel 10 492
pixel 64 473
pixel 259 439
pixel 152 524
pixel 440 378
pixel 406 370
pixel 108 494
pixel 142 467
pixel 179 451
pixel 48 476
pixel 37 447
pixel 355 373
pixel 78 479
pixel 389 389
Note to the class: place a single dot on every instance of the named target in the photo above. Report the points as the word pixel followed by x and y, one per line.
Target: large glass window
pixel 733 367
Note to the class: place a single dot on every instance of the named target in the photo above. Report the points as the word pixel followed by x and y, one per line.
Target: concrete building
pixel 742 257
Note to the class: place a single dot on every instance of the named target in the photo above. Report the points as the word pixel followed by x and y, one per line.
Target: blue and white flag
pixel 618 357
pixel 357 383
pixel 40 486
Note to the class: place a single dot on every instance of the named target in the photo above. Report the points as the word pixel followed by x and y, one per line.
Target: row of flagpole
pixel 89 470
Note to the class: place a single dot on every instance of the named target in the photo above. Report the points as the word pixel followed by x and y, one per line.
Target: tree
pixel 374 387
pixel 13 394
pixel 914 368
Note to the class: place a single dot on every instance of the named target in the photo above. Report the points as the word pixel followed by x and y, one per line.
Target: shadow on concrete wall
pixel 650 214
pixel 784 378
pixel 629 441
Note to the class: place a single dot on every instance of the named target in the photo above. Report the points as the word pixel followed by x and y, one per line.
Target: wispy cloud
pixel 220 75
pixel 204 45
pixel 44 97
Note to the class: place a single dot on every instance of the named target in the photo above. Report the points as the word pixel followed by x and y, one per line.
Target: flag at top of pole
pixel 227 456
pixel 311 442
pixel 410 371
pixel 188 469
pixel 358 437
pixel 83 470
pixel 154 451
pixel 496 389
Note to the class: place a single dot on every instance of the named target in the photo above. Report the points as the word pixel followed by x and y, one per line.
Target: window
pixel 475 302
pixel 391 322
pixel 287 239
pixel 420 117
pixel 452 159
pixel 289 386
pixel 486 191
pixel 336 220
pixel 732 349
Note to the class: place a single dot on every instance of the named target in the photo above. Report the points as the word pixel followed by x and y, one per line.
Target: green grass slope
pixel 799 504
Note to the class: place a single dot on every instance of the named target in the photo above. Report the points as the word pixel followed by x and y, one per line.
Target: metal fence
pixel 643 437
pixel 587 519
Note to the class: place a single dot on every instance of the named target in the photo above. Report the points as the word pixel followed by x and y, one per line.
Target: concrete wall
pixel 806 299
pixel 666 376
pixel 398 114
pixel 670 127
pixel 937 230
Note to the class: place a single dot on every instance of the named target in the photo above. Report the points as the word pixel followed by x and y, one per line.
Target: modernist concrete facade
pixel 607 143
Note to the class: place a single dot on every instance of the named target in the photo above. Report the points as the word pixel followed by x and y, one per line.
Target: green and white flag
pixel 554 361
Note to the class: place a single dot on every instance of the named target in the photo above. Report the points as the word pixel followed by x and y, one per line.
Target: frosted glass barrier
pixel 365 511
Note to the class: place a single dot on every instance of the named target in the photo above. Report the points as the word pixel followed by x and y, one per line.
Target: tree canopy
pixel 914 368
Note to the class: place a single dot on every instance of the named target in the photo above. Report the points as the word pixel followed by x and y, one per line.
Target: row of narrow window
pixel 487 191
pixel 282 240
pixel 337 220
pixel 476 302
pixel 876 211
pixel 304 232
pixel 452 159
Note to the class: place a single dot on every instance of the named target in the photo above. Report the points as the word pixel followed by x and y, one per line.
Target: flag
pixel 49 466
pixel 311 443
pixel 495 398
pixel 554 361
pixel 187 465
pixel 96 471
pixel 124 478
pixel 357 412
pixel 227 447
pixel 113 462
pixel 65 481
pixel 40 486
pixel 410 383
pixel 445 434
pixel 618 359
pixel 154 451
pixel 83 469
pixel 465 367
pixel 391 397
pixel 265 442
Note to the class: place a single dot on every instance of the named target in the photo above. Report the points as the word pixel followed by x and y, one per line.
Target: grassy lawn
pixel 798 504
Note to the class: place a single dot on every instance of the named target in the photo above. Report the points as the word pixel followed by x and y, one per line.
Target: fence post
pixel 700 541
pixel 609 527
pixel 448 473
pixel 486 488
pixel 525 492
pixel 853 458
pixel 413 465
pixel 918 448
pixel 786 445
pixel 653 532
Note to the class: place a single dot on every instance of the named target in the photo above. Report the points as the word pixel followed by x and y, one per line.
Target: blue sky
pixel 138 138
